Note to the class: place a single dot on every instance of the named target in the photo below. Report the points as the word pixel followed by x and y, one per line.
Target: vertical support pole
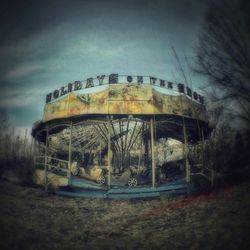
pixel 146 147
pixel 109 155
pixel 142 145
pixel 123 152
pixel 46 161
pixel 70 154
pixel 152 151
pixel 185 152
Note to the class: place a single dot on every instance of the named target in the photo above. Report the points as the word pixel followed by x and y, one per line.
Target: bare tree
pixel 223 54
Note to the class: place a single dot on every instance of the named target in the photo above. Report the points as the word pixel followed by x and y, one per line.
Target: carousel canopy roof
pixel 120 102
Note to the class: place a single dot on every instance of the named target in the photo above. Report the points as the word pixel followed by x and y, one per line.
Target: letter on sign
pixel 48 97
pixel 129 79
pixel 170 85
pixel 113 78
pixel 195 95
pixel 201 99
pixel 162 83
pixel 152 80
pixel 189 92
pixel 100 79
pixel 77 85
pixel 56 94
pixel 139 79
pixel 70 87
pixel 181 87
pixel 89 83
pixel 63 91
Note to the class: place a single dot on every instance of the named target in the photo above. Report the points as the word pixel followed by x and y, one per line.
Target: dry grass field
pixel 30 219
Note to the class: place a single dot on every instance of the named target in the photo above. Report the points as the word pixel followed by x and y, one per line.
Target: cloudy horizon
pixel 47 44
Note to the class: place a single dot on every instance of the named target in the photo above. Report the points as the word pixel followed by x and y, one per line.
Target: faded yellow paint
pixel 124 99
pixel 95 172
pixel 54 180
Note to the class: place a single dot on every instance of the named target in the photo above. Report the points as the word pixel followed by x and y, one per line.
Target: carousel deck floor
pixel 87 189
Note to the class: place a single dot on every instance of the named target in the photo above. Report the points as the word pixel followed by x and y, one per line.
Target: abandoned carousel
pixel 119 136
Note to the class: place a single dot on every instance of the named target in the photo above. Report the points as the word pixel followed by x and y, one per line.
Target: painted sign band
pixel 117 79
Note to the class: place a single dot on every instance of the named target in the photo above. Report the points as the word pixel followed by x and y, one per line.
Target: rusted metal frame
pixel 146 144
pixel 135 139
pixel 87 141
pixel 106 128
pixel 82 139
pixel 65 140
pixel 101 134
pixel 132 144
pixel 84 142
pixel 53 167
pixel 57 159
pixel 122 148
pixel 111 141
pixel 90 143
pixel 118 149
pixel 132 134
pixel 39 156
pixel 115 142
pixel 126 139
pixel 131 137
pixel 140 153
pixel 39 165
pixel 155 133
pixel 39 161
pixel 142 149
pixel 58 125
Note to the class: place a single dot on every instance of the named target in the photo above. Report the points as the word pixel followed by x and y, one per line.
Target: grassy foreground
pixel 29 219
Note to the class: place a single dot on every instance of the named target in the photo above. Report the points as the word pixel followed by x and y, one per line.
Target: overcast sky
pixel 46 44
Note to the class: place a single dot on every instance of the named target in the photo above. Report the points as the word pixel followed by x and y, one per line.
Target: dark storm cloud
pixel 25 18
pixel 45 44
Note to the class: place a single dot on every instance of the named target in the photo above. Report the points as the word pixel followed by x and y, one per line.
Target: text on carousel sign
pixel 116 79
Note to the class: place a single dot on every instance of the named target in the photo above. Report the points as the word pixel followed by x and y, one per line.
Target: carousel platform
pixel 87 189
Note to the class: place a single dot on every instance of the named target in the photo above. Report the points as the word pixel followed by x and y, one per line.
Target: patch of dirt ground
pixel 30 219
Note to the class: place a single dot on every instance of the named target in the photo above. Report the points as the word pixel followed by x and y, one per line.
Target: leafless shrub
pixel 16 151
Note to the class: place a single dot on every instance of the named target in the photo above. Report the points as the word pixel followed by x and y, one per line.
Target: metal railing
pixel 52 165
